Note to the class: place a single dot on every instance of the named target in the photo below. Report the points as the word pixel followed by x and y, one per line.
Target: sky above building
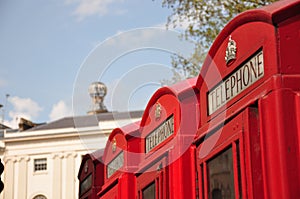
pixel 50 51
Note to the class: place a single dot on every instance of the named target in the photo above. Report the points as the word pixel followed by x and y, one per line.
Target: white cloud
pixel 137 38
pixel 86 8
pixel 22 107
pixel 60 110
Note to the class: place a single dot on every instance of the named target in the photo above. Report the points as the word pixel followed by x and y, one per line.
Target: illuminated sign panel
pixel 115 164
pixel 161 133
pixel 237 82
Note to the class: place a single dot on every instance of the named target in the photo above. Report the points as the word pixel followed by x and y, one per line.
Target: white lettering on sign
pixel 115 164
pixel 237 82
pixel 161 133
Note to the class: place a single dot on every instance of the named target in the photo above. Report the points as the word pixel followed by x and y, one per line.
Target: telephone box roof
pixel 176 90
pixel 125 130
pixel 119 137
pixel 95 156
pixel 273 14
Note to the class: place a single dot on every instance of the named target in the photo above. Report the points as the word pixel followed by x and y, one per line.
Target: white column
pixel 22 177
pixel 70 175
pixel 57 176
pixel 9 169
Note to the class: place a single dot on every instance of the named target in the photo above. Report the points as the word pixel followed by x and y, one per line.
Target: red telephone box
pixel 232 133
pixel 168 129
pixel 89 175
pixel 119 181
pixel 248 142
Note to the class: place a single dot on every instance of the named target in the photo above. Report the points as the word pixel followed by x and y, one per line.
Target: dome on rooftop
pixel 97 91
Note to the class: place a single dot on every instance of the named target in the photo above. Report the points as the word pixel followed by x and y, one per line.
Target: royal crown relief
pixel 241 78
pixel 230 51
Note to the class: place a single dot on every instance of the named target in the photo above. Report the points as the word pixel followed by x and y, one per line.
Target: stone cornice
pixel 21 137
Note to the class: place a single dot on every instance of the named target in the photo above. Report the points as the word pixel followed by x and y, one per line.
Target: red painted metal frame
pixel 91 164
pixel 280 144
pixel 122 181
pixel 157 173
pixel 174 100
pixel 261 124
pixel 272 158
pixel 242 130
pixel 181 101
pixel 274 22
pixel 224 137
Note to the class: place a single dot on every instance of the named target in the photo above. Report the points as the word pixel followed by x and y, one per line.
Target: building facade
pixel 43 162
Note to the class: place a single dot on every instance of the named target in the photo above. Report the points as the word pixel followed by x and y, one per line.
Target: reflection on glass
pixel 220 174
pixel 86 184
pixel 149 192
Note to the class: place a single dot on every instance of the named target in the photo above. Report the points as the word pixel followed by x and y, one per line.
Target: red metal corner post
pixel 279 143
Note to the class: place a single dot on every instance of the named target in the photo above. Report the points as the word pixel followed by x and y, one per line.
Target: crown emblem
pixel 230 51
pixel 114 145
pixel 157 111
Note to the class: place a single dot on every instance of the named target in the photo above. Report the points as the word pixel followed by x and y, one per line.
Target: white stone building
pixel 43 161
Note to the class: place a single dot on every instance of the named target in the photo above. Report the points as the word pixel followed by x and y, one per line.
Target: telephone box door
pixel 152 183
pixel 229 157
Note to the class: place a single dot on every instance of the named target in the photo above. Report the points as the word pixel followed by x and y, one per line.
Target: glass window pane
pixel 149 192
pixel 220 176
pixel 40 164
pixel 86 184
pixel 40 197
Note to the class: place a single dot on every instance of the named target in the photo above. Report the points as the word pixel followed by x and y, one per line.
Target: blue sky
pixel 46 47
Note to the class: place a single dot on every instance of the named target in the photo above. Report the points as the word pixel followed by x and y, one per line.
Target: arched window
pixel 39 197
